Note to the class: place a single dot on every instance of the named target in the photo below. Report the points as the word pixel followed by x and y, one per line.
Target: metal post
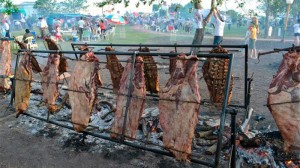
pixel 286 20
pixel 223 114
pixel 233 138
pixel 14 81
pixel 246 77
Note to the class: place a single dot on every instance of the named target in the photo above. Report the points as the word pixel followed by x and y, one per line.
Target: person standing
pixel 42 24
pixel 102 28
pixel 81 25
pixel 296 33
pixel 6 28
pixel 254 31
pixel 219 27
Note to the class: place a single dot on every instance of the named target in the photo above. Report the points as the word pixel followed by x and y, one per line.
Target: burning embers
pixel 267 149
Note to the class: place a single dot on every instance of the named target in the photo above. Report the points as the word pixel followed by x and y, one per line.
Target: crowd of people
pixel 79 25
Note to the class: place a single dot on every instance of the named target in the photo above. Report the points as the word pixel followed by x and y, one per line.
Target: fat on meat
pixel 23 83
pixel 137 101
pixel 5 64
pixel 83 85
pixel 50 79
pixel 284 100
pixel 151 72
pixel 179 107
pixel 115 68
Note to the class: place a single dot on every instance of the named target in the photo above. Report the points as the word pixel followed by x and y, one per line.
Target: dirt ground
pixel 20 148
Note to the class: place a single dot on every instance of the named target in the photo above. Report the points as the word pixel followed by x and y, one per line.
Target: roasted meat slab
pixel 63 61
pixel 83 85
pixel 115 68
pixel 215 72
pixel 151 73
pixel 5 64
pixel 136 104
pixel 50 79
pixel 179 107
pixel 23 83
pixel 284 100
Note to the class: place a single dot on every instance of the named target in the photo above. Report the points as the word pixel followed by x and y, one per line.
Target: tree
pixel 9 7
pixel 45 7
pixel 271 8
pixel 74 6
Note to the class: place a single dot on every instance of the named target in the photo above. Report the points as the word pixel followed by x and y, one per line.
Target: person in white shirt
pixel 219 27
pixel 81 25
pixel 42 25
pixel 6 28
pixel 198 17
pixel 297 32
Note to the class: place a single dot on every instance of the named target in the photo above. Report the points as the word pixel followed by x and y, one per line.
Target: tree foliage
pixel 73 6
pixel 9 7
pixel 45 7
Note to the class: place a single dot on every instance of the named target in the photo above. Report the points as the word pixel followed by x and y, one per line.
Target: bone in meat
pixel 136 104
pixel 50 79
pixel 215 72
pixel 179 107
pixel 23 80
pixel 5 64
pixel 83 85
pixel 115 68
pixel 151 73
pixel 284 100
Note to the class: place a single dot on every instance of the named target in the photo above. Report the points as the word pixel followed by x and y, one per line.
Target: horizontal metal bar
pixel 158 45
pixel 214 55
pixel 166 153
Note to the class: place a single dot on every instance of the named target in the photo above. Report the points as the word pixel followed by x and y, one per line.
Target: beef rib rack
pixel 5 64
pixel 284 100
pixel 151 72
pixel 136 98
pixel 215 72
pixel 115 68
pixel 179 107
pixel 83 86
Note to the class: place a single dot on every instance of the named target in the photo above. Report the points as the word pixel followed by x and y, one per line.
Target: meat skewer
pixel 5 64
pixel 137 100
pixel 83 90
pixel 151 73
pixel 284 100
pixel 215 72
pixel 179 106
pixel 115 68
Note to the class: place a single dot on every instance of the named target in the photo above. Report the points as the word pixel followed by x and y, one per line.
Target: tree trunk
pixel 267 20
pixel 199 34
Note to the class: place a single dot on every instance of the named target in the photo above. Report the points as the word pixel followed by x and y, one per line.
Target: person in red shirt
pixel 102 28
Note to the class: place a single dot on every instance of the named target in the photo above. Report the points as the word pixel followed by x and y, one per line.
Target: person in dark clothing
pixel 27 34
